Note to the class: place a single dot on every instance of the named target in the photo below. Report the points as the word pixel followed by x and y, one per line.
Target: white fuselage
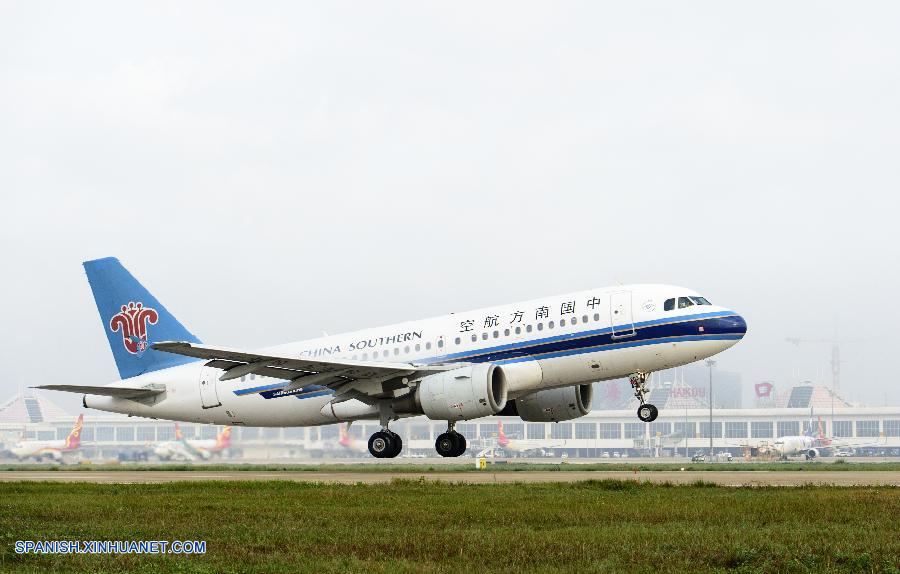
pixel 794 445
pixel 39 448
pixel 200 449
pixel 557 341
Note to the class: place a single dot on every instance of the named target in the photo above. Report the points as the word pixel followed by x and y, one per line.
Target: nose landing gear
pixel 646 412
pixel 450 443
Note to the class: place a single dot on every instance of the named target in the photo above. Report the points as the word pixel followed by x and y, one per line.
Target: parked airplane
pixel 812 444
pixel 193 449
pixel 52 449
pixel 535 360
pixel 524 446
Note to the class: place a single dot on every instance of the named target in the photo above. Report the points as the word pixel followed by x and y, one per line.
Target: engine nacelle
pixel 811 453
pixel 462 394
pixel 554 405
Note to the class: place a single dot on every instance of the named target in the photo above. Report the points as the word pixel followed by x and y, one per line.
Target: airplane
pixel 523 446
pixel 533 359
pixel 807 445
pixel 193 449
pixel 52 449
pixel 349 442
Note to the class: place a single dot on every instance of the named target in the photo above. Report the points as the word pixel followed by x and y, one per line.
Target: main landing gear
pixel 646 412
pixel 450 443
pixel 385 444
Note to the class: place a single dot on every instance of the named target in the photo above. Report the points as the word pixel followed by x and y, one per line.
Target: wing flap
pixel 117 392
pixel 299 366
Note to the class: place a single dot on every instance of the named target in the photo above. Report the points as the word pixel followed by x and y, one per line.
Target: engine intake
pixel 554 405
pixel 464 393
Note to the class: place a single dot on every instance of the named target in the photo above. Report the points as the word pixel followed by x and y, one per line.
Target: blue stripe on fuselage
pixel 713 326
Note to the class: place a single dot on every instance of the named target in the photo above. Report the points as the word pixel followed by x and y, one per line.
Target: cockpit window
pixel 684 302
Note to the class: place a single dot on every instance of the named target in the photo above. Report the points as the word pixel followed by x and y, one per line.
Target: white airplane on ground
pixel 53 449
pixel 534 359
pixel 192 449
pixel 524 446
pixel 810 445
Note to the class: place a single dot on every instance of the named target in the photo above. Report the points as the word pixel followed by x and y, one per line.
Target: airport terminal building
pixel 601 433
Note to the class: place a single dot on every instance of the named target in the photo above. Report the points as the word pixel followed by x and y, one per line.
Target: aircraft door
pixel 209 396
pixel 620 315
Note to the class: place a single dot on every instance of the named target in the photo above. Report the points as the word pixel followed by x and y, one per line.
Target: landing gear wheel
pixel 450 444
pixel 383 444
pixel 461 446
pixel 398 446
pixel 647 413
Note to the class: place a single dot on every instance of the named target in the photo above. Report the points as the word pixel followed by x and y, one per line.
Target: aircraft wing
pixel 356 379
pixel 117 392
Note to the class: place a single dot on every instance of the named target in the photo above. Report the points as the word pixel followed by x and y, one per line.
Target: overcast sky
pixel 272 171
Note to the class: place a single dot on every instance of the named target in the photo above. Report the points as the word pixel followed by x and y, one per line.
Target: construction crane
pixel 835 358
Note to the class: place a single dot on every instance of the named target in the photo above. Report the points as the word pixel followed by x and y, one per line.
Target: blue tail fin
pixel 133 319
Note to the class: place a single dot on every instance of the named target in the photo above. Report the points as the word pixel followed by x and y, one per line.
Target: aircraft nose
pixel 739 326
pixel 732 325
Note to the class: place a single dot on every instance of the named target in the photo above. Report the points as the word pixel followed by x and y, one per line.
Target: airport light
pixel 710 363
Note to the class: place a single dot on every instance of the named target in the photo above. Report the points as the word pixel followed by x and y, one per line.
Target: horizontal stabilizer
pixel 117 392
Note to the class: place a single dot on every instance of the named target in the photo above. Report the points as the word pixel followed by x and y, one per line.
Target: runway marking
pixel 724 478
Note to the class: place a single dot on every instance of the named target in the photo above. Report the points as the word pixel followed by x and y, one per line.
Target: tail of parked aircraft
pixel 345 439
pixel 178 434
pixel 223 441
pixel 133 319
pixel 501 436
pixel 73 441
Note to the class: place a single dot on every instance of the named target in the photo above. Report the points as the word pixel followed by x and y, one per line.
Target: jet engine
pixel 554 405
pixel 811 453
pixel 462 394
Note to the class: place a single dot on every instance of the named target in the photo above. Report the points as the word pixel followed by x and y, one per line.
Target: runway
pixel 724 478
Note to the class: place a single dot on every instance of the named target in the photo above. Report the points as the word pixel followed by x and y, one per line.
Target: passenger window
pixel 406 349
pixel 496 334
pixel 440 343
pixel 669 304
pixel 365 356
pixel 374 354
pixel 584 319
pixel 428 345
pixel 540 326
pixel 457 340
pixel 474 338
pixel 550 325
pixel 396 350
pixel 518 330
pixel 574 320
pixel 506 332
pixel 354 357
pixel 418 347
pixel 684 302
pixel 484 336
pixel 596 316
pixel 528 328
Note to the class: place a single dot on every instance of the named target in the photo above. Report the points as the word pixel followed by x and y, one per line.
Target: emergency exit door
pixel 209 396
pixel 620 316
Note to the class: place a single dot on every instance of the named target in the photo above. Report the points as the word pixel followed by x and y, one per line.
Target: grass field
pixel 469 466
pixel 416 526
